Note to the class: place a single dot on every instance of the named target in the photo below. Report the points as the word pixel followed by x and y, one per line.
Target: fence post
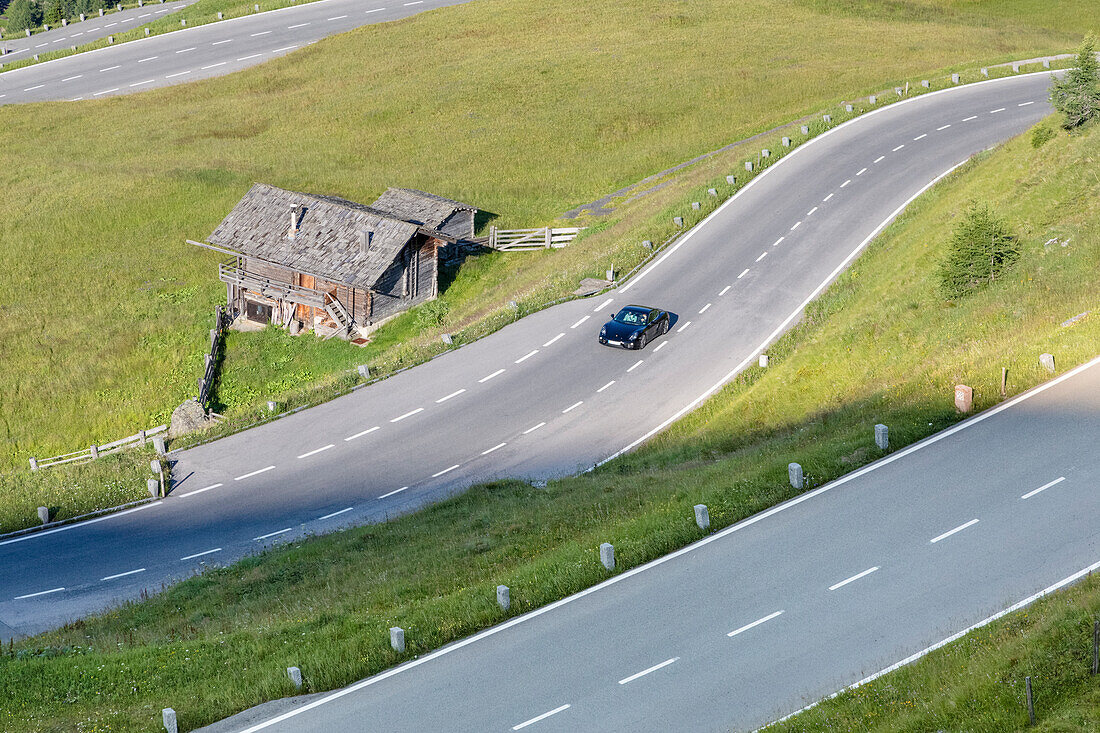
pixel 548 235
pixel 1096 647
pixel 94 450
pixel 492 237
pixel 34 464
pixel 1030 701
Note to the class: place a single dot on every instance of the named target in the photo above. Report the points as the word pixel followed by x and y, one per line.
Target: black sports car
pixel 634 326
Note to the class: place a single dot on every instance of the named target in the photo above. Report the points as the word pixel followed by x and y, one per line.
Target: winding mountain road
pixel 539 398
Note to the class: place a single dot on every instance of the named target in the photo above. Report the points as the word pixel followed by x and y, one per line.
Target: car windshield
pixel 632 317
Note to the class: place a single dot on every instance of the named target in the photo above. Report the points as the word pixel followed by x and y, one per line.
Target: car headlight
pixel 603 331
pixel 633 335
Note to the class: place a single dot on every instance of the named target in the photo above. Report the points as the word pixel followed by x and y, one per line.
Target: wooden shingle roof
pixel 327 241
pixel 425 209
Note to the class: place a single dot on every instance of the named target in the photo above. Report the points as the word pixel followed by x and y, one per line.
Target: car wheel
pixel 642 342
pixel 664 328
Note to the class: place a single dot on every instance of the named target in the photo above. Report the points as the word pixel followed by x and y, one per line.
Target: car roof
pixel 639 308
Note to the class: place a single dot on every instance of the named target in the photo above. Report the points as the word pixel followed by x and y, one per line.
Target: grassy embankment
pixel 106 221
pixel 881 345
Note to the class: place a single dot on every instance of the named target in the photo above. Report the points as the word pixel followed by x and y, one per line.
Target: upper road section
pixel 198 53
pixel 540 397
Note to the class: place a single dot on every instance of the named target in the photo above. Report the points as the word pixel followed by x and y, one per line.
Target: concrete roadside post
pixel 156 467
pixel 504 599
pixel 153 486
pixel 794 474
pixel 147 31
pixel 872 99
pixel 712 192
pixel 954 78
pixel 827 119
pixel 805 129
pixel 924 83
pixel 158 444
pixel 446 338
pixel 882 436
pixel 364 371
pixel 748 166
pixel 295 676
pixel 678 221
pixel 607 555
pixel 731 180
pixel 168 716
pixel 110 40
pixel 702 517
pixel 985 72
pixel 1047 362
pixel 763 361
pixel 786 141
pixel 1015 68
pixel 648 244
pixel 397 639
pixel 44 514
pixel 847 108
pixel 34 464
pixel 272 405
pixel 964 398
pixel 765 153
pixel 695 205
pixel 221 15
pixel 183 22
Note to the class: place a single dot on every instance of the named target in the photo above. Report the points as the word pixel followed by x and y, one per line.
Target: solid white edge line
pixel 854 578
pixel 318 450
pixel 253 473
pixel 644 672
pixel 66 528
pixel 754 624
pixel 395 491
pixel 456 393
pixel 1044 487
pixel 271 534
pixel 547 714
pixel 410 413
pixel 750 520
pixel 123 575
pixel 445 470
pixel 950 532
pixel 200 554
pixel 199 491
pixel 361 434
pixel 954 637
pixel 553 340
pixel 485 379
pixel 495 447
pixel 39 593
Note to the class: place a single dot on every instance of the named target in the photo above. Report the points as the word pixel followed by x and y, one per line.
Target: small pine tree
pixel 981 249
pixel 53 14
pixel 24 14
pixel 1077 94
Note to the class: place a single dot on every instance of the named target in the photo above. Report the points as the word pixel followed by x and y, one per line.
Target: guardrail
pixel 95 451
pixel 521 240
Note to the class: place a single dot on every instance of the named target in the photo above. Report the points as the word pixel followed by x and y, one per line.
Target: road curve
pixel 539 398
pixel 202 52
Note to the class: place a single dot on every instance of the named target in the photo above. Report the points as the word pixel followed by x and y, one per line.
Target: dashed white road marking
pixel 395 491
pixel 456 393
pixel 827 197
pixel 681 328
pixel 249 475
pixel 552 340
pixel 811 211
pixel 486 378
pixel 1044 487
pixel 727 288
pixel 531 430
pixel 898 148
pixel 318 450
pixel 573 406
pixel 213 66
pixel 660 346
pixel 338 17
pixel 123 575
pixel 199 491
pixel 580 321
pixel 218 43
pixel 776 242
pixel 299 25
pixel 362 433
pixel 548 713
pixel 147 58
pixel 253 56
pixel 762 255
pixel 1024 104
pixel 410 413
pixel 526 356
pixel 178 73
pixel 105 91
pixel 601 389
pixel 200 554
pixel 498 446
pixel 950 532
pixel 944 127
pixel 854 578
pixel 285 48
pixel 602 305
pixel 39 593
pixel 704 309
pixel 755 623
pixel 271 534
pixel 971 117
pixel 437 474
pixel 796 225
pixel 415 2
pixel 31 89
pixel 644 672
pixel 846 183
pixel 376 10
pixel 261 33
pixel 142 83
pixel 185 50
pixel 995 111
pixel 920 137
pixel 639 362
pixel 111 68
pixel 863 170
pixel 743 273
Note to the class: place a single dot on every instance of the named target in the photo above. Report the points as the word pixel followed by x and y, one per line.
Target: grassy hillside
pixel 881 346
pixel 105 308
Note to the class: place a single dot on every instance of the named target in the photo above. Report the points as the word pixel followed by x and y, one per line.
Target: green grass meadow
pixel 105 308
pixel 881 345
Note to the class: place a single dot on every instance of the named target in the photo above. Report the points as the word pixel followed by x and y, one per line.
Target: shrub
pixel 24 14
pixel 980 250
pixel 53 14
pixel 432 313
pixel 1077 94
pixel 1041 135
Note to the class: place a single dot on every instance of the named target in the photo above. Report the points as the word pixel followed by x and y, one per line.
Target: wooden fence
pixel 206 381
pixel 521 240
pixel 95 451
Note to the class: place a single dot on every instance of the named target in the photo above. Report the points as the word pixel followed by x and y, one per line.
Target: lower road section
pixel 784 608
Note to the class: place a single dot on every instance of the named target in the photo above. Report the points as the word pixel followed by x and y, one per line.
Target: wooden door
pixel 304 312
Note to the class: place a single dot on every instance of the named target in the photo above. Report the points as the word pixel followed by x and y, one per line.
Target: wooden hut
pixel 331 265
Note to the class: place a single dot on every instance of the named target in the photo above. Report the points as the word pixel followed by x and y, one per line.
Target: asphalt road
pixel 780 610
pixel 197 53
pixel 539 398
